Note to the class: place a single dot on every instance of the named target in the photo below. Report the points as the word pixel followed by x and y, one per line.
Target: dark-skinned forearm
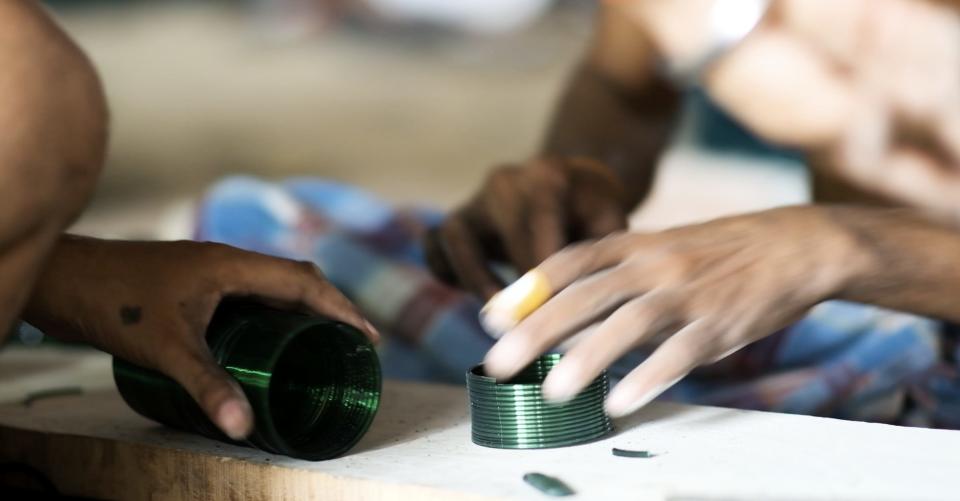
pixel 627 129
pixel 617 108
pixel 69 266
pixel 912 262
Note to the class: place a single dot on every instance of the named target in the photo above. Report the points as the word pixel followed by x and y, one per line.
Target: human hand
pixel 521 215
pixel 150 303
pixel 699 292
pixel 870 89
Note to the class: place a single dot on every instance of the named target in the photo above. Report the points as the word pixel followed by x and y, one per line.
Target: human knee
pixel 53 120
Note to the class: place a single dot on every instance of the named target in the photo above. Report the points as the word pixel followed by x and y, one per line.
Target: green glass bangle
pixel 314 384
pixel 513 414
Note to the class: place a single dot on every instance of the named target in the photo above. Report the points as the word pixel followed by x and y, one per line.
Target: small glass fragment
pixel 53 392
pixel 548 485
pixel 625 453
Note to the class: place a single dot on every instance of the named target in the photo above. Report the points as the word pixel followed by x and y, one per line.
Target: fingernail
pixel 727 353
pixel 506 308
pixel 621 403
pixel 561 384
pixel 496 321
pixel 372 330
pixel 234 418
pixel 506 357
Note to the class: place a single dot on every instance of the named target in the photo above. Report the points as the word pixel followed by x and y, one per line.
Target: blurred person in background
pixel 295 19
pixel 146 302
pixel 868 90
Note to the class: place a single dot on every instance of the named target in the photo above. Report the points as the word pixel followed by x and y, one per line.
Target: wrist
pixel 59 290
pixel 851 248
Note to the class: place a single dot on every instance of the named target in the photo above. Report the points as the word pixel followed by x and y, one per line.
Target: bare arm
pixel 617 109
pixel 595 165
pixel 913 261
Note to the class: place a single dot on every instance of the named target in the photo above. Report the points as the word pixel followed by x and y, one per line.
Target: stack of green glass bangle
pixel 513 414
pixel 313 383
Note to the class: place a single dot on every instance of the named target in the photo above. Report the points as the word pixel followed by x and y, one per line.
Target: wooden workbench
pixel 419 448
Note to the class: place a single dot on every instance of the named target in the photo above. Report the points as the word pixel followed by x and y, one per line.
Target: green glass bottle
pixel 314 383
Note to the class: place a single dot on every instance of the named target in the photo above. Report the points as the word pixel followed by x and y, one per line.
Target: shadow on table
pixel 409 411
pixel 688 414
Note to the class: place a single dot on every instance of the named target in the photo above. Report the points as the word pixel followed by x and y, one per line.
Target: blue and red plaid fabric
pixel 842 360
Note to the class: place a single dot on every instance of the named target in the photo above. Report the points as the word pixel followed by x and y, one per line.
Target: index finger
pixel 463 251
pixel 692 346
pixel 295 283
pixel 518 300
pixel 528 211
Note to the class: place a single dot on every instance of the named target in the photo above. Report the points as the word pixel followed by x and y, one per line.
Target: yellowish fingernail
pixel 511 305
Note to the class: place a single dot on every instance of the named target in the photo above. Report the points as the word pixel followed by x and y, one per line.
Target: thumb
pixel 213 389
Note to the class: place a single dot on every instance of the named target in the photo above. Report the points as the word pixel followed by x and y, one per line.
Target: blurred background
pixel 411 99
pixel 408 98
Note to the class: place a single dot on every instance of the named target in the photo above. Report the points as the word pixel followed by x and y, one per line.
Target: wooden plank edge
pixel 114 469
